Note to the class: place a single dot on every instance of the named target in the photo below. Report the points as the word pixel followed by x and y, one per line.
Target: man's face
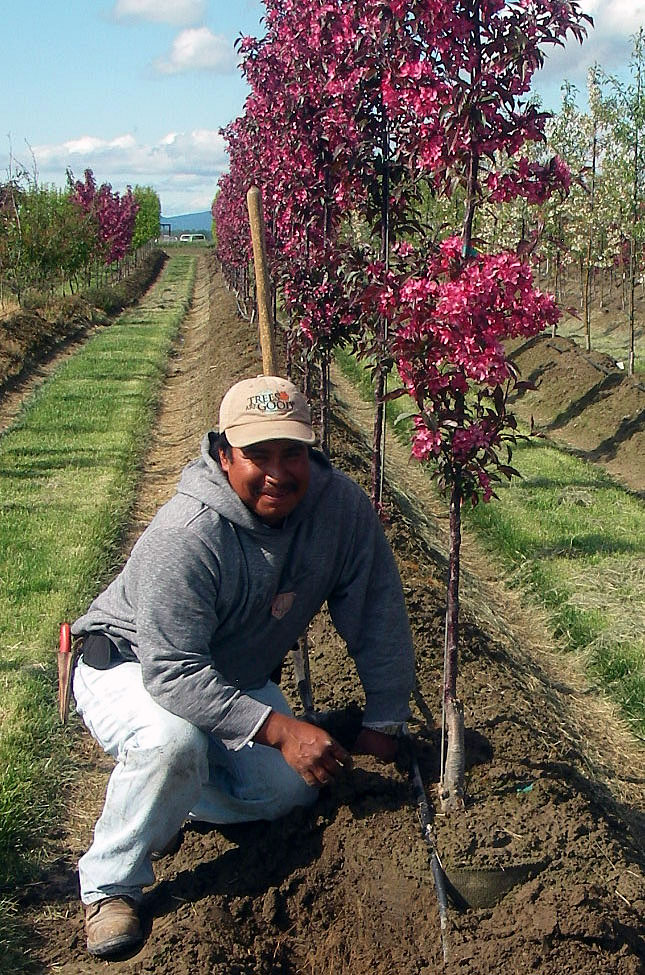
pixel 270 477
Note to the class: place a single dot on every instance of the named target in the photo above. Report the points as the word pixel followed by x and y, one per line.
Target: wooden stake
pixel 262 287
pixel 299 653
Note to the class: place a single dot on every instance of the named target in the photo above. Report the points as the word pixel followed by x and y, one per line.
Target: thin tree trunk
pixel 306 378
pixel 635 209
pixel 381 374
pixel 452 781
pixel 289 355
pixel 378 436
pixel 557 288
pixel 632 306
pixel 587 299
pixel 452 785
pixel 324 403
pixel 587 287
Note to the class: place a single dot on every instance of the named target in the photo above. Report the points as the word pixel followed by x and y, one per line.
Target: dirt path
pixel 346 887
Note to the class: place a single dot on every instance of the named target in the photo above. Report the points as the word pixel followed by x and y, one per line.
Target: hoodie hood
pixel 204 480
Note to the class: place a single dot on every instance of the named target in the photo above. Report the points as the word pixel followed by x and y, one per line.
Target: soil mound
pixel 585 402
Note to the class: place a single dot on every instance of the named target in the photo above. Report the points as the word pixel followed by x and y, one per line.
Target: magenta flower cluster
pixel 350 97
pixel 113 215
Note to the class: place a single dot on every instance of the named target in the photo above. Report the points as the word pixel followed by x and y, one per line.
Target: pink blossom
pixel 425 442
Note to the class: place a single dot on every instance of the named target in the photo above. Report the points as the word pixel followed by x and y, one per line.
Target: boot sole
pixel 115 946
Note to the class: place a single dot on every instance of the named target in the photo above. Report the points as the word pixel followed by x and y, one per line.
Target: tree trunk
pixel 632 304
pixel 451 787
pixel 587 299
pixel 557 290
pixel 381 336
pixel 590 240
pixel 289 355
pixel 324 403
pixel 378 440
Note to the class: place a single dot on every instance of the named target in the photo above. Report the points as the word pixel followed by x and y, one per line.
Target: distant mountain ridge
pixel 201 221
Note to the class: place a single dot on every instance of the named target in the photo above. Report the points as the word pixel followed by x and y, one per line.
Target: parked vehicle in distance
pixel 191 238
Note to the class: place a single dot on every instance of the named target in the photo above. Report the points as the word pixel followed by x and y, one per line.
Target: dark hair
pixel 220 442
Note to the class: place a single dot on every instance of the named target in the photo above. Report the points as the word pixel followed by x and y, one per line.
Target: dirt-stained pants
pixel 168 771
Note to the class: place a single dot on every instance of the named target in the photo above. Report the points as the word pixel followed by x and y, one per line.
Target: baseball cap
pixel 265 408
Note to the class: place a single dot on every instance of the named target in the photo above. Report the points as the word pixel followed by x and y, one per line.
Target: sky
pixel 137 90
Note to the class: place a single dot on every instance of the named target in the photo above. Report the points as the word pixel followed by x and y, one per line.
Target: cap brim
pixel 250 433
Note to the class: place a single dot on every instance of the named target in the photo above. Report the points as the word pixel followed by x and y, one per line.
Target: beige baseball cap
pixel 265 408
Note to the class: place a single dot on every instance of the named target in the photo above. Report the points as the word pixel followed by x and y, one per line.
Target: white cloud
pixel 87 144
pixel 183 167
pixel 620 17
pixel 608 44
pixel 198 49
pixel 177 12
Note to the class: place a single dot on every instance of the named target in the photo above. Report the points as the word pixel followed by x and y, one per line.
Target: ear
pixel 225 463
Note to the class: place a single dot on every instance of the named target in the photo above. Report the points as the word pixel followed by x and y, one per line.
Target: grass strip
pixel 573 539
pixel 69 468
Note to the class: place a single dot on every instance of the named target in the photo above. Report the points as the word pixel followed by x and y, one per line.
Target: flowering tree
pixel 112 215
pixel 358 113
pixel 453 317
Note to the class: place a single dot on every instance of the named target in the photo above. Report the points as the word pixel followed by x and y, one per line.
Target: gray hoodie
pixel 211 598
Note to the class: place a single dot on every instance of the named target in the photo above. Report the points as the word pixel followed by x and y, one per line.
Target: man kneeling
pixel 174 680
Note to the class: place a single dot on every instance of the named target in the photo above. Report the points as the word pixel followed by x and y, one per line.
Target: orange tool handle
pixel 65 643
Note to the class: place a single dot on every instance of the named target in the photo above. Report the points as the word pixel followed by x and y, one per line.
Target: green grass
pixel 68 476
pixel 574 541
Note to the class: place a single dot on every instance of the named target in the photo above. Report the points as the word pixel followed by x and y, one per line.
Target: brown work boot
pixel 112 926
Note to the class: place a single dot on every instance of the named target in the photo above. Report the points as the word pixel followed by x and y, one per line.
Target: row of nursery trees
pixel 365 120
pixel 592 244
pixel 53 239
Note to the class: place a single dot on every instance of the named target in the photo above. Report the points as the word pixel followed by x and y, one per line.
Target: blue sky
pixel 138 89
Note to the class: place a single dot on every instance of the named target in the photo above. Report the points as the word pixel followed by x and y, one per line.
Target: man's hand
pixel 371 742
pixel 306 748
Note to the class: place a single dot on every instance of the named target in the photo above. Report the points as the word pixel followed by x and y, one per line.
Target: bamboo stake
pixel 262 285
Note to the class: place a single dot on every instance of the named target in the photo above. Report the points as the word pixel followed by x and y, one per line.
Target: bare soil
pixel 583 401
pixel 553 781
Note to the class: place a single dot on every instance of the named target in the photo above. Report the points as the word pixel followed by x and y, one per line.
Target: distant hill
pixel 185 222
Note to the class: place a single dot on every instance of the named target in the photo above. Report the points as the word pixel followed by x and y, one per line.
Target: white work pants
pixel 168 771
